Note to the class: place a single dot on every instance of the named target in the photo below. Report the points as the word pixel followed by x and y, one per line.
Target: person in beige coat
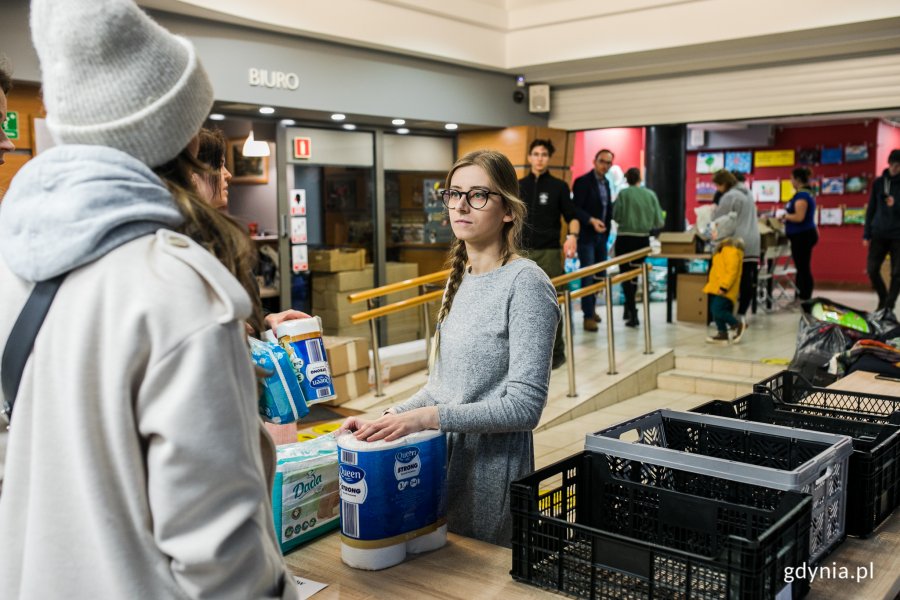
pixel 134 466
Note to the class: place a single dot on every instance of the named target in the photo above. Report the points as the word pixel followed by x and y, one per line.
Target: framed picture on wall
pixel 856 152
pixel 710 162
pixel 808 156
pixel 742 162
pixel 245 169
pixel 766 190
pixel 856 184
pixel 832 156
pixel 832 185
pixel 854 216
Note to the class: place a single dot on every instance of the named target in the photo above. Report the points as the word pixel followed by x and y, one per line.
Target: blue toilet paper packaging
pixel 281 399
pixel 302 338
pixel 393 498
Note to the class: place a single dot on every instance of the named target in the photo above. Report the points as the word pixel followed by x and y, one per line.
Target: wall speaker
pixel 539 98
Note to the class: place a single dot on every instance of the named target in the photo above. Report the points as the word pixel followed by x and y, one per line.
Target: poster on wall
pixel 298 230
pixel 705 191
pixel 856 152
pixel 815 184
pixel 808 156
pixel 298 203
pixel 831 216
pixel 300 258
pixel 773 158
pixel 787 190
pixel 742 162
pixel 854 216
pixel 710 162
pixel 857 184
pixel 832 186
pixel 765 190
pixel 437 221
pixel 832 156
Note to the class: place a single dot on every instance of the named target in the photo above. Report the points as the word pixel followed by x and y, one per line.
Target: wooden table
pixel 865 382
pixel 465 569
pixel 673 261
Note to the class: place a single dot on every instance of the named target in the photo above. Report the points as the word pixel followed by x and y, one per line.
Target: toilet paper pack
pixel 305 497
pixel 393 498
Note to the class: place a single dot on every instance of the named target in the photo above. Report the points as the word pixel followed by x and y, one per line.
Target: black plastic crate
pixel 791 388
pixel 594 534
pixel 873 489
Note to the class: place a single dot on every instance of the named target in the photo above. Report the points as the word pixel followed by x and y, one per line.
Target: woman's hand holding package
pixel 393 426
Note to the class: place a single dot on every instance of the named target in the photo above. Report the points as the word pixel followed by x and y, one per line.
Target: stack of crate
pixel 348 359
pixel 329 301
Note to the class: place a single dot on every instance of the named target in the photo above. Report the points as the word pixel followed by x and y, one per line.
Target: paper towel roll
pixel 373 559
pixel 428 542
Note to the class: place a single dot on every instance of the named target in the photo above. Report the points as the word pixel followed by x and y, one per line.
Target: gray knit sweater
pixel 490 385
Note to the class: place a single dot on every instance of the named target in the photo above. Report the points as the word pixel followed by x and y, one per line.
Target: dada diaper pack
pixel 305 499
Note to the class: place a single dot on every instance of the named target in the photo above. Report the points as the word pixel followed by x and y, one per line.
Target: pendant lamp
pixel 254 147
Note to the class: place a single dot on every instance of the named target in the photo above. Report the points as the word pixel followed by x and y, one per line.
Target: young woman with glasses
pixel 491 364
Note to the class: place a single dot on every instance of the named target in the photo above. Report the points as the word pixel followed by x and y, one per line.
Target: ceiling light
pixel 266 110
pixel 216 117
pixel 288 122
pixel 398 122
pixel 349 126
pixel 451 126
pixel 338 117
pixel 403 131
pixel 254 147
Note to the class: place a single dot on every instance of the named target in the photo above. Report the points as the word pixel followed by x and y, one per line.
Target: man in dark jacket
pixel 548 200
pixel 882 231
pixel 593 199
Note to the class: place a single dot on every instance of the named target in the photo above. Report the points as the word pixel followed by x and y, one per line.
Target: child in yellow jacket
pixel 722 287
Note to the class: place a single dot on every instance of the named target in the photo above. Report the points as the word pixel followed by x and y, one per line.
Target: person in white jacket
pixel 134 466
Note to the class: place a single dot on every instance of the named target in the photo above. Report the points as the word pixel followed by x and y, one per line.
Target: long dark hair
pixel 212 229
pixel 212 156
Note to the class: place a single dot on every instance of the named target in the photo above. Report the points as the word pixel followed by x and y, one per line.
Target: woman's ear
pixel 508 217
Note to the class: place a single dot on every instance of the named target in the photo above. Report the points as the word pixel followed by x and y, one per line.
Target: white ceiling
pixel 580 42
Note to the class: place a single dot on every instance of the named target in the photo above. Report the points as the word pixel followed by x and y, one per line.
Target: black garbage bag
pixel 881 324
pixel 817 342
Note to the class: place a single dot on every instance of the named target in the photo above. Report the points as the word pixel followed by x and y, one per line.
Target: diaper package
pixel 393 498
pixel 281 399
pixel 305 497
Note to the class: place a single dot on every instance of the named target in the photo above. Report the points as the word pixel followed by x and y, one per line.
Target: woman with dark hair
pixel 213 182
pixel 800 227
pixel 637 213
pixel 488 401
pixel 135 421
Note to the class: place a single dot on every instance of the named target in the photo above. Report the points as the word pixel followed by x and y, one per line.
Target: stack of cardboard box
pixel 348 359
pixel 329 301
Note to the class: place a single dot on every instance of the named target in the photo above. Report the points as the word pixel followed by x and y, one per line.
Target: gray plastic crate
pixel 783 458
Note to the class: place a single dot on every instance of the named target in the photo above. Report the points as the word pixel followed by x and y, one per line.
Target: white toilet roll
pixel 373 559
pixel 428 542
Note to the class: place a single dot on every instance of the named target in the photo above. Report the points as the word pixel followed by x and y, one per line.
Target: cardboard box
pixel 679 242
pixel 349 386
pixel 692 302
pixel 337 259
pixel 337 301
pixel 345 281
pixel 346 354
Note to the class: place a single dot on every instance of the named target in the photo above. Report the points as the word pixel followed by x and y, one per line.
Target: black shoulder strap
pixel 21 338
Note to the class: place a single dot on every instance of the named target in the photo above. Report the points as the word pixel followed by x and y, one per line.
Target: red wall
pixel 627 143
pixel 839 256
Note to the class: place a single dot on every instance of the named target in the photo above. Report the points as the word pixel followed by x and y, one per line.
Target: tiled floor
pixel 604 399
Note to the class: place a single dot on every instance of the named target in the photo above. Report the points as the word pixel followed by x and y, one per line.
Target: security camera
pixel 518 96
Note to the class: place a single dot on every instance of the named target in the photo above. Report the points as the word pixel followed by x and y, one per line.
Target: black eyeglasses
pixel 476 197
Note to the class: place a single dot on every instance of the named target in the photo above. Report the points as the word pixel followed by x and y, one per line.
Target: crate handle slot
pixel 829 471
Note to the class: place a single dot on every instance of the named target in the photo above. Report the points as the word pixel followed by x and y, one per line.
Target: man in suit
pixel 593 199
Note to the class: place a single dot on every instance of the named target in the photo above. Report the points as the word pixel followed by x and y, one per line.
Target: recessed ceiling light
pixel 338 117
pixel 288 122
pixel 403 131
pixel 266 110
pixel 349 126
pixel 451 126
pixel 216 117
pixel 398 122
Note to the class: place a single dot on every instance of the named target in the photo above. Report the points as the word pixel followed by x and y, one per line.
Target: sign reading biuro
pixel 273 79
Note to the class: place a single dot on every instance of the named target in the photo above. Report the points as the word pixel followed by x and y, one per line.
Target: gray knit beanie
pixel 113 77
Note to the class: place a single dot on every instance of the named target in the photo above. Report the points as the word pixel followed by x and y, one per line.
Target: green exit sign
pixel 11 125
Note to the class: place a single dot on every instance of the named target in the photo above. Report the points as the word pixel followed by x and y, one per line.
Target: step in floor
pixel 727 366
pixel 723 387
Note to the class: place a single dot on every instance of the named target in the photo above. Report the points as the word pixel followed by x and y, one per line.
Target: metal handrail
pixel 399 286
pixel 395 307
pixel 600 266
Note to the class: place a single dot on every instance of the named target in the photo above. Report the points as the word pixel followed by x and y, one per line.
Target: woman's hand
pixel 391 427
pixel 275 319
